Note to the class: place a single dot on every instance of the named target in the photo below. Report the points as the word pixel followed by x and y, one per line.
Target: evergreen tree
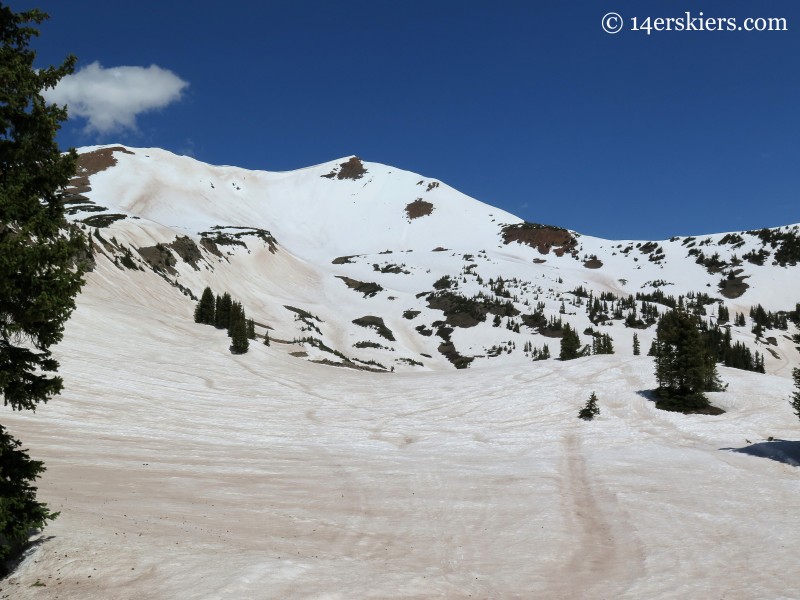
pixel 39 250
pixel 222 314
pixel 684 367
pixel 590 409
pixel 239 341
pixel 637 350
pixel 570 344
pixel 723 315
pixel 251 329
pixel 236 315
pixel 796 394
pixel 204 312
pixel 266 338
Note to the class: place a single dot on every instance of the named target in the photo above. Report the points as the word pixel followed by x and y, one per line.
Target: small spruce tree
pixel 637 350
pixel 222 315
pixel 590 410
pixel 570 344
pixel 204 312
pixel 251 329
pixel 239 341
pixel 266 338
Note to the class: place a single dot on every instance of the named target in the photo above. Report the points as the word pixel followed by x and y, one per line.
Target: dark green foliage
pixel 225 313
pixel 266 338
pixel 795 402
pixel 735 355
pixel 786 241
pixel 367 288
pixel 239 341
pixel 38 252
pixel 222 311
pixel 658 297
pixel 461 311
pixel 590 409
pixel 19 510
pixel 236 314
pixel 205 311
pixel 443 283
pixel 570 343
pixel 602 344
pixel 723 316
pixel 377 324
pixel 684 366
pixel 637 349
pixel 251 329
pixel 769 320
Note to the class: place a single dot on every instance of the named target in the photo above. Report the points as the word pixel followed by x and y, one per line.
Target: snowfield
pixel 184 472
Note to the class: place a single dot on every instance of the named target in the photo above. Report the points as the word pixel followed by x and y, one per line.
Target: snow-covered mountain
pixel 363 264
pixel 183 471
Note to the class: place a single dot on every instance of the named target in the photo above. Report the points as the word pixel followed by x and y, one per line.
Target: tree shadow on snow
pixel 10 565
pixel 781 450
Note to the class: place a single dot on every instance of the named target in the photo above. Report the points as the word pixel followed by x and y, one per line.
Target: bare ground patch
pixel 418 208
pixel 542 237
pixel 377 324
pixel 352 169
pixel 93 162
pixel 368 288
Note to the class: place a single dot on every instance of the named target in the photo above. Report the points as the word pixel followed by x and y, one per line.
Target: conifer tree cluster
pixel 223 312
pixel 685 368
pixel 536 353
pixel 602 344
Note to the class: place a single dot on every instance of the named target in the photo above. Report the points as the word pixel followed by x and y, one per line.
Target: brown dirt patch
pixel 159 258
pixel 377 324
pixel 98 160
pixel 448 350
pixel 542 237
pixel 352 169
pixel 368 288
pixel 593 263
pixel 187 250
pixel 733 287
pixel 418 208
pixel 344 260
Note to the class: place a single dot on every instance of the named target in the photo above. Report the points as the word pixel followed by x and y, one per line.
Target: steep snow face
pixel 313 212
pixel 400 271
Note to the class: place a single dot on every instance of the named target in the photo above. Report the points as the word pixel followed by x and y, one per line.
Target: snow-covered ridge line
pixel 349 240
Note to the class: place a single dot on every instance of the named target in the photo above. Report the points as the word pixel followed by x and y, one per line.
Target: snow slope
pixel 183 471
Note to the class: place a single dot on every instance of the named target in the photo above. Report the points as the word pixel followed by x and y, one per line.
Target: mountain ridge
pixel 348 239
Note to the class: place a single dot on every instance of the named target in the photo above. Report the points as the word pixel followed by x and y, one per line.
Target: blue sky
pixel 525 105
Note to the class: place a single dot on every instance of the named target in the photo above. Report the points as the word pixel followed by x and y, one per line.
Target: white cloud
pixel 111 99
